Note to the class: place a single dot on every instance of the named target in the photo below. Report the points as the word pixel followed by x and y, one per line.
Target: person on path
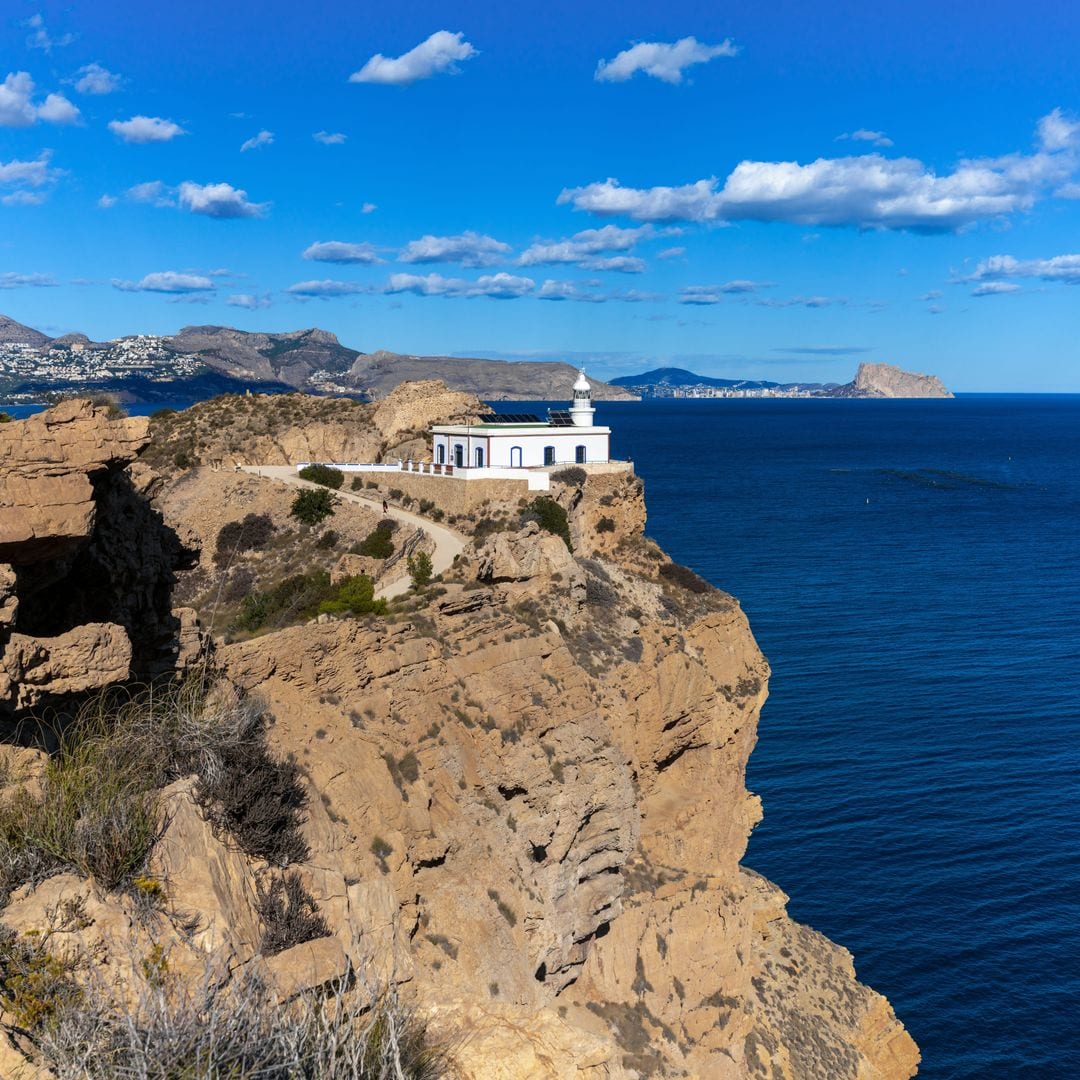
pixel 385 507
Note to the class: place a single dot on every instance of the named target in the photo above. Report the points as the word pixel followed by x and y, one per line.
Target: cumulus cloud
pixel 586 292
pixel 264 138
pixel 219 201
pixel 368 208
pixel 167 281
pixel 106 202
pixel 153 192
pixel 338 251
pixel 146 129
pixel 866 191
pixel 323 289
pixel 588 248
pixel 330 138
pixel 468 249
pixel 995 288
pixel 437 55
pixel 27 180
pixel 661 60
pixel 1062 268
pixel 248 301
pixel 40 38
pixel 500 286
pixel 877 138
pixel 21 281
pixel 714 294
pixel 18 108
pixel 94 79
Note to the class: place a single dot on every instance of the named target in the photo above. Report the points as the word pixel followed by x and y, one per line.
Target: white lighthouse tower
pixel 581 410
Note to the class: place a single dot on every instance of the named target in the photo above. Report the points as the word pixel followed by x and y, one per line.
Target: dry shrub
pixel 289 915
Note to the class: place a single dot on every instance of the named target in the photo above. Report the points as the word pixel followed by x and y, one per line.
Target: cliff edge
pixel 515 800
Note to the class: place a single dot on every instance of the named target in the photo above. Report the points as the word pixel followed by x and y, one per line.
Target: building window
pixel 459 455
pixel 440 454
pixel 479 457
pixel 549 455
pixel 579 455
pixel 515 457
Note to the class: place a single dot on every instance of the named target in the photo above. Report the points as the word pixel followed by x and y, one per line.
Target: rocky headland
pixel 506 815
pixel 889 381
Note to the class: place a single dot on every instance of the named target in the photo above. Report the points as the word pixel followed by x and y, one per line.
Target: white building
pixel 524 441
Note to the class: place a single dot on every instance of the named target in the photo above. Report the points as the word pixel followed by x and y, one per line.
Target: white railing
pixel 538 479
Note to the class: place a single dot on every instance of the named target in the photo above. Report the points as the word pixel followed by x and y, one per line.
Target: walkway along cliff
pixel 525 805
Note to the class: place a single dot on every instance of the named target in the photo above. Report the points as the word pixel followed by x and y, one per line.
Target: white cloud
pixel 438 54
pixel 661 60
pixel 995 288
pixel 330 138
pixel 19 281
pixel 18 109
pixel 249 301
pixel 167 281
pixel 500 286
pixel 469 249
pixel 867 191
pixel 219 201
pixel 264 138
pixel 28 178
pixel 325 288
pixel 878 138
pixel 671 253
pixel 803 301
pixel 153 192
pixel 107 201
pixel 337 251
pixel 146 129
pixel 1063 268
pixel 94 79
pixel 368 208
pixel 714 294
pixel 39 37
pixel 1058 131
pixel 585 247
pixel 586 292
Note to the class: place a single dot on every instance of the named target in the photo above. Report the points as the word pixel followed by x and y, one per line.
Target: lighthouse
pixel 581 409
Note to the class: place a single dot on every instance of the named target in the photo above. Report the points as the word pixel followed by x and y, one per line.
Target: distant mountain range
pixel 871 381
pixel 201 361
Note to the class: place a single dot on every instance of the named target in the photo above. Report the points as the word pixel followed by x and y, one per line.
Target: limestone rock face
pixel 522 556
pixel 87 566
pixel 48 463
pixel 415 406
pixel 886 380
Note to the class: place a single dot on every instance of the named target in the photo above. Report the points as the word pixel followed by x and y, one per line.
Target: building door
pixel 479 457
pixel 579 455
pixel 459 455
pixel 440 454
pixel 549 455
pixel 515 457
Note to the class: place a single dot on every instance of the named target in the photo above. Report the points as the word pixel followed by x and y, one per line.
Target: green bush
pixel 355 596
pixel 323 474
pixel 312 505
pixel 552 518
pixel 420 569
pixel 378 543
pixel 605 525
pixel 684 577
pixel 5 418
pixel 254 532
pixel 327 540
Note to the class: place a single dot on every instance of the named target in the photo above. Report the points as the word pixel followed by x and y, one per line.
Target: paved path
pixel 448 544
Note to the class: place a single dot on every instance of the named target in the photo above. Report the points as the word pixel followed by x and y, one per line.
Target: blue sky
pixel 774 190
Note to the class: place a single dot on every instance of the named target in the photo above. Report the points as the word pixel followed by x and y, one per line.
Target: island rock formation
pixel 889 381
pixel 526 789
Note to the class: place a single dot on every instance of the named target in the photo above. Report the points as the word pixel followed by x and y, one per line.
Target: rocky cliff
pixel 888 381
pixel 525 809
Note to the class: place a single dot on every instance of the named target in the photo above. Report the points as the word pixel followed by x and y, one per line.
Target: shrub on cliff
pixel 355 595
pixel 552 518
pixel 323 474
pixel 420 569
pixel 312 505
pixel 378 543
pixel 684 577
pixel 573 475
pixel 254 532
pixel 289 915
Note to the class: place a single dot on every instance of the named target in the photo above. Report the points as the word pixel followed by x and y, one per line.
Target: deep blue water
pixel 912 571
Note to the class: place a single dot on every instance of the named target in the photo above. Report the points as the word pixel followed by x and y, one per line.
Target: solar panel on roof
pixel 513 418
pixel 559 418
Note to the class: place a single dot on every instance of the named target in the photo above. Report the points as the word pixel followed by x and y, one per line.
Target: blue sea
pixel 912 571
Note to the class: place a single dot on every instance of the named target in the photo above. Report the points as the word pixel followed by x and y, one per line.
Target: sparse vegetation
pixel 684 577
pixel 605 525
pixel 552 518
pixel 378 544
pixel 573 475
pixel 420 569
pixel 323 474
pixel 313 505
pixel 303 596
pixel 253 533
pixel 289 914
